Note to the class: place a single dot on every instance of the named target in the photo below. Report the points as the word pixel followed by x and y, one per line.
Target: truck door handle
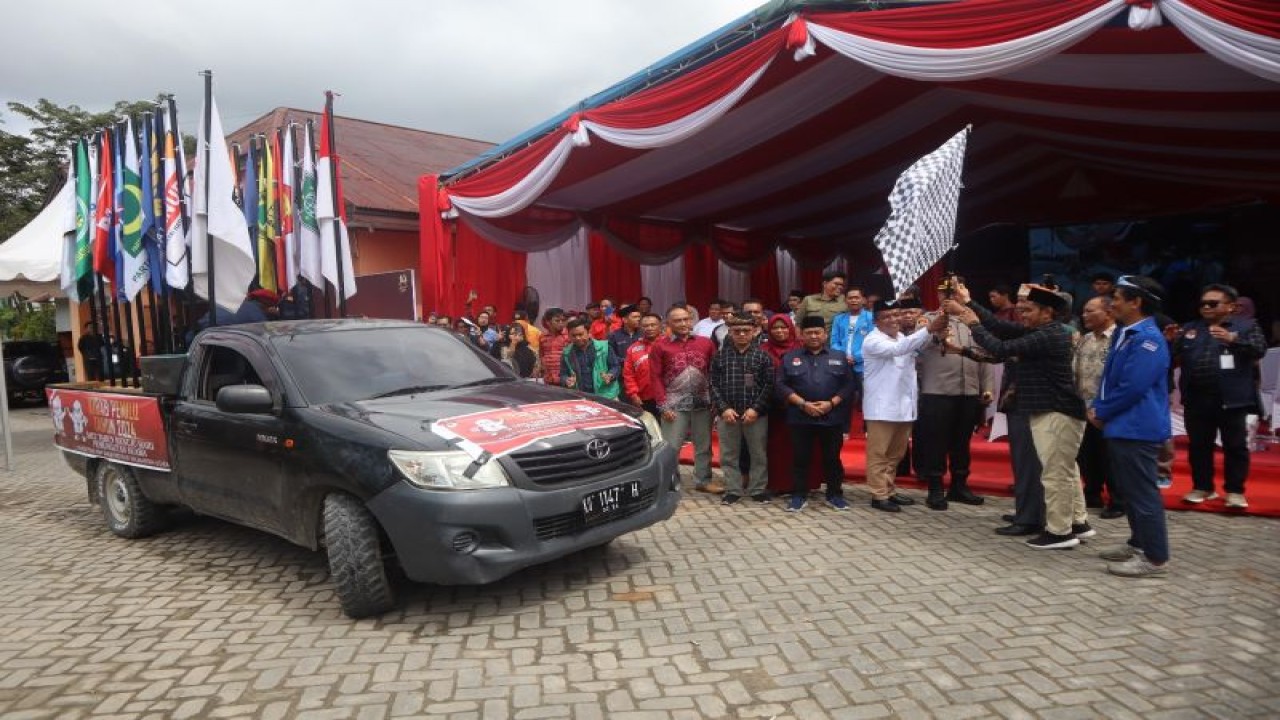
pixel 187 425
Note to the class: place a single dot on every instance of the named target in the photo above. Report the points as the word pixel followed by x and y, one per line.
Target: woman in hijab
pixel 782 339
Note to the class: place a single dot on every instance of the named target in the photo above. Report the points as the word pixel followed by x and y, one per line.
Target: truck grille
pixel 571 523
pixel 571 462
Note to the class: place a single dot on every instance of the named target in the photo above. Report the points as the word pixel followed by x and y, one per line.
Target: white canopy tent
pixel 35 251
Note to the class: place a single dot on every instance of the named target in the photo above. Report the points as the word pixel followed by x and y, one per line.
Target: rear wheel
pixel 355 557
pixel 128 512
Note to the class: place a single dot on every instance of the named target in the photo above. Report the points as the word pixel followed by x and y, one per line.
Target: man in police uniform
pixel 816 384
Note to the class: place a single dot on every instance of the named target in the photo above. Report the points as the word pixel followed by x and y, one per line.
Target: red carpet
pixel 990 475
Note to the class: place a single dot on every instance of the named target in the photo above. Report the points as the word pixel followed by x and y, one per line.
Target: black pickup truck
pixel 377 441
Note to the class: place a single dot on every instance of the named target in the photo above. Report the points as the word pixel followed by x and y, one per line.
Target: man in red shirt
pixel 635 365
pixel 603 319
pixel 551 347
pixel 680 375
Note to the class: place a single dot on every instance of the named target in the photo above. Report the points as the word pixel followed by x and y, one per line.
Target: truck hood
pixel 492 412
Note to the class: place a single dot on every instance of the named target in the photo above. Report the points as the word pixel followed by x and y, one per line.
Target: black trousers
pixel 1096 470
pixel 829 439
pixel 1203 425
pixel 941 438
pixel 1028 490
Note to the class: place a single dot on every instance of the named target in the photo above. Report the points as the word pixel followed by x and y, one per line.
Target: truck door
pixel 230 465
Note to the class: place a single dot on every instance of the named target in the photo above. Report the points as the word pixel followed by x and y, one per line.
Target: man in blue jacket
pixel 1132 410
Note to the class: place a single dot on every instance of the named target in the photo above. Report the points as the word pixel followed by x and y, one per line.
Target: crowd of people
pixel 1086 396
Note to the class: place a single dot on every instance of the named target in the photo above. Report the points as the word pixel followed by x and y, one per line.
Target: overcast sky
pixel 483 69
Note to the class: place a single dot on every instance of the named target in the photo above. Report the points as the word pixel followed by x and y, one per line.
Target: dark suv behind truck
pixel 377 441
pixel 29 365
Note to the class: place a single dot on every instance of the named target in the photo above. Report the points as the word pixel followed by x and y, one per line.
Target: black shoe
pixel 936 501
pixel 1112 513
pixel 965 497
pixel 730 499
pixel 886 505
pixel 1016 530
pixel 762 498
pixel 1049 541
pixel 1083 530
pixel 1008 517
pixel 900 499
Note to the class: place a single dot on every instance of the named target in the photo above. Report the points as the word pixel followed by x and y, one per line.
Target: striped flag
pixel 922 221
pixel 177 273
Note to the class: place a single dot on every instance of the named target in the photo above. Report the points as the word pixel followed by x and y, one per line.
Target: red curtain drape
pixel 739 247
pixel 496 274
pixel 962 25
pixel 612 275
pixel 810 280
pixel 764 283
pixel 433 248
pixel 701 277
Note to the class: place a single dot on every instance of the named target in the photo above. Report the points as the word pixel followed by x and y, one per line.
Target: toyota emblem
pixel 598 449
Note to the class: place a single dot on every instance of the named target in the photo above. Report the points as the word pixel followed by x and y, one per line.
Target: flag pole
pixel 208 163
pixel 341 300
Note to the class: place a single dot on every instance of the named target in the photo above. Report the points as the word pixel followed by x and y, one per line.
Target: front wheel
pixel 355 557
pixel 128 512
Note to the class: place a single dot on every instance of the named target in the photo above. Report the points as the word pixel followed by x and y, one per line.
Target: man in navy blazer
pixel 1132 410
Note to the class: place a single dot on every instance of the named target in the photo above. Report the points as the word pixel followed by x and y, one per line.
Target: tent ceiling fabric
pixel 796 138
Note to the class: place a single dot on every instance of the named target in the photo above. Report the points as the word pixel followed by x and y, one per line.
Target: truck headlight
pixel 652 427
pixel 447 470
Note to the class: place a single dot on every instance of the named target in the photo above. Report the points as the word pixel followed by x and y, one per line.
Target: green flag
pixel 83 267
pixel 136 271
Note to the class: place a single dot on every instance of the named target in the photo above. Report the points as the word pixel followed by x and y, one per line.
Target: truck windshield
pixel 349 365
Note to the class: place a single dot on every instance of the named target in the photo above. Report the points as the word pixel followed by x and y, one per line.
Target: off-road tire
pixel 354 548
pixel 128 512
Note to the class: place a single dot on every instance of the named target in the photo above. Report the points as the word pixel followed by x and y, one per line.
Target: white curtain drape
pixel 523 193
pixel 560 274
pixel 965 63
pixel 734 283
pixel 788 273
pixel 1248 51
pixel 663 284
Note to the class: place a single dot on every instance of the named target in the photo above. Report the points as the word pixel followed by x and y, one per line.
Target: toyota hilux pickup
pixel 376 441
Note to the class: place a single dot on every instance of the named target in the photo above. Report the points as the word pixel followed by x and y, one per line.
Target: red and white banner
pixel 124 428
pixel 506 430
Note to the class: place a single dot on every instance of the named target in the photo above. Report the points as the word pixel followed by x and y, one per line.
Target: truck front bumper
pixel 479 536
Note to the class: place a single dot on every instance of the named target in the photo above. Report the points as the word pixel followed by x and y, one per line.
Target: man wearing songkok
pixel 1047 391
pixel 816 385
pixel 889 399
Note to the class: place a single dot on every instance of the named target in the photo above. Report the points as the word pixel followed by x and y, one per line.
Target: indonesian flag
pixel 308 227
pixel 331 213
pixel 216 217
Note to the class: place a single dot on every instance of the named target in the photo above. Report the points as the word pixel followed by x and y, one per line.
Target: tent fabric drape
pixel 482 266
pixel 701 278
pixel 558 274
pixel 612 274
pixel 764 283
pixel 663 284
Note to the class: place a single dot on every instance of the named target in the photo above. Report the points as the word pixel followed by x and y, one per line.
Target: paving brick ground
pixel 719 613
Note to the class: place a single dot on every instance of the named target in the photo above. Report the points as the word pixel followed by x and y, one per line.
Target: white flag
pixel 216 216
pixel 68 199
pixel 335 257
pixel 288 210
pixel 308 229
pixel 177 273
pixel 922 221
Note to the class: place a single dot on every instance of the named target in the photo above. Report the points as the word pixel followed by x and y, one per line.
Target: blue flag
pixel 249 195
pixel 152 203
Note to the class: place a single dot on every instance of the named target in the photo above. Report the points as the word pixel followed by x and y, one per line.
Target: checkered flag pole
pixel 922 220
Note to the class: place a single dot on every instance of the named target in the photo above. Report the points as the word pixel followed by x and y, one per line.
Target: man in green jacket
pixel 589 365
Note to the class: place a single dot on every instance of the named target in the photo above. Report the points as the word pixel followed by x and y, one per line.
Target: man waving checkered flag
pixel 922 218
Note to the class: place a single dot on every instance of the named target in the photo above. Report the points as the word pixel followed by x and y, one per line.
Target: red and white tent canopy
pixel 1083 110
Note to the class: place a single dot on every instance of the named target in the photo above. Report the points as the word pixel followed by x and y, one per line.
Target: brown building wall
pixel 378 250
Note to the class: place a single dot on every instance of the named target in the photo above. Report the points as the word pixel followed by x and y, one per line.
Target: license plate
pixel 605 502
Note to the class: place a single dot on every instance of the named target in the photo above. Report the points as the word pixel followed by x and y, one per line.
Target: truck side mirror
pixel 245 399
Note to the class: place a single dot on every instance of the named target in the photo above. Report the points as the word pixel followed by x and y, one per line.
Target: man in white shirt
pixel 714 319
pixel 889 399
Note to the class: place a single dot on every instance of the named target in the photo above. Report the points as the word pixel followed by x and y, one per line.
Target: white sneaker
pixel 1236 501
pixel 1137 566
pixel 1195 497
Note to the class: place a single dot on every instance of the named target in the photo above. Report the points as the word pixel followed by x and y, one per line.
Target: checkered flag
pixel 922 219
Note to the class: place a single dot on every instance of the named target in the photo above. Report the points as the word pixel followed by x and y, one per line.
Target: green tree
pixel 31 167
